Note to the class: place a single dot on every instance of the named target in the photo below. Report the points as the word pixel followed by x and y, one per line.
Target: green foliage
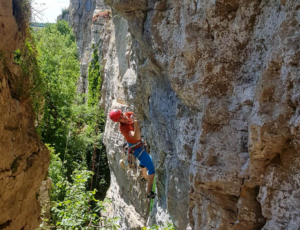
pixel 74 129
pixel 67 124
pixel 74 211
pixel 71 126
pixel 64 11
pixel 167 226
pixel 25 85
pixel 30 83
pixel 73 206
pixel 57 173
pixel 94 79
pixel 97 126
pixel 59 65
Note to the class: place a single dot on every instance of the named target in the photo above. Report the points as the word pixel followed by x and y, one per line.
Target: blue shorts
pixel 145 159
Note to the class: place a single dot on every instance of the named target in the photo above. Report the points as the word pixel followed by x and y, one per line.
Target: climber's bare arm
pixel 136 134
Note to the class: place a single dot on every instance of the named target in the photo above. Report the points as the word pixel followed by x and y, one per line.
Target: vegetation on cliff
pixel 73 130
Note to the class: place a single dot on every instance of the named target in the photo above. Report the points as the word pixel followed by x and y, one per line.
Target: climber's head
pixel 115 115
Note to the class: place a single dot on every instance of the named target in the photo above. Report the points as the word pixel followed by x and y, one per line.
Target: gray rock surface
pixel 64 16
pixel 215 85
pixel 87 32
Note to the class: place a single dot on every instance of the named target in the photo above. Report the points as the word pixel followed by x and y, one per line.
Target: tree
pixel 59 65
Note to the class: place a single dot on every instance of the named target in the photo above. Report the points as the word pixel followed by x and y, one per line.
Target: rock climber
pixel 130 129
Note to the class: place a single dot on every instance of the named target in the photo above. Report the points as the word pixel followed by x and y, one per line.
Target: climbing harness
pixel 129 150
pixel 128 156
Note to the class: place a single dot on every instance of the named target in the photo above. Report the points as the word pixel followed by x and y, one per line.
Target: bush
pixel 74 129
pixel 73 206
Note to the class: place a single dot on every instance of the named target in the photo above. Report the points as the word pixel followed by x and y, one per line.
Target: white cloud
pixel 47 11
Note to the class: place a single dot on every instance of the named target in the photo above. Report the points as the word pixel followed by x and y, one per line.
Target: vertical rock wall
pixel 24 159
pixel 126 191
pixel 215 85
pixel 88 31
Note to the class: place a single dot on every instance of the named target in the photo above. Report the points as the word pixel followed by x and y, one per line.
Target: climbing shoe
pixel 151 195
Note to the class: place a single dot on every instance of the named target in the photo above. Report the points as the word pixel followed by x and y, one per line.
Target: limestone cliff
pixel 64 16
pixel 24 159
pixel 215 85
pixel 88 30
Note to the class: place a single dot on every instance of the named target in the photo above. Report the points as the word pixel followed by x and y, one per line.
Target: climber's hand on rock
pixel 133 118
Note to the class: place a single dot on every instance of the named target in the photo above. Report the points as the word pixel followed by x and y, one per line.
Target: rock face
pixel 88 31
pixel 24 159
pixel 64 16
pixel 215 85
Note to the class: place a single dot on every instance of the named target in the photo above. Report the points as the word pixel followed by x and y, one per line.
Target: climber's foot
pixel 151 195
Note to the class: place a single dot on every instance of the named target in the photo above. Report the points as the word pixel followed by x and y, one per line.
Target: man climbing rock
pixel 130 129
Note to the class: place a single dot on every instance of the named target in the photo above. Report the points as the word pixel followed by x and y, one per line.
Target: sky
pixel 48 10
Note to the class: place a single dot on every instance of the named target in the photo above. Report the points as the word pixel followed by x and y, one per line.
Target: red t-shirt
pixel 126 128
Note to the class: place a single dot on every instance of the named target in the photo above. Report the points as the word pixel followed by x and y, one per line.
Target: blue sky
pixel 48 10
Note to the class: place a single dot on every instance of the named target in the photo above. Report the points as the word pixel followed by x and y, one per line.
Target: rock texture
pixel 88 31
pixel 44 198
pixel 24 159
pixel 215 85
pixel 64 16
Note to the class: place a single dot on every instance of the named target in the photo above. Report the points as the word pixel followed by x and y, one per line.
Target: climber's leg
pixel 150 183
pixel 144 172
pixel 146 160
